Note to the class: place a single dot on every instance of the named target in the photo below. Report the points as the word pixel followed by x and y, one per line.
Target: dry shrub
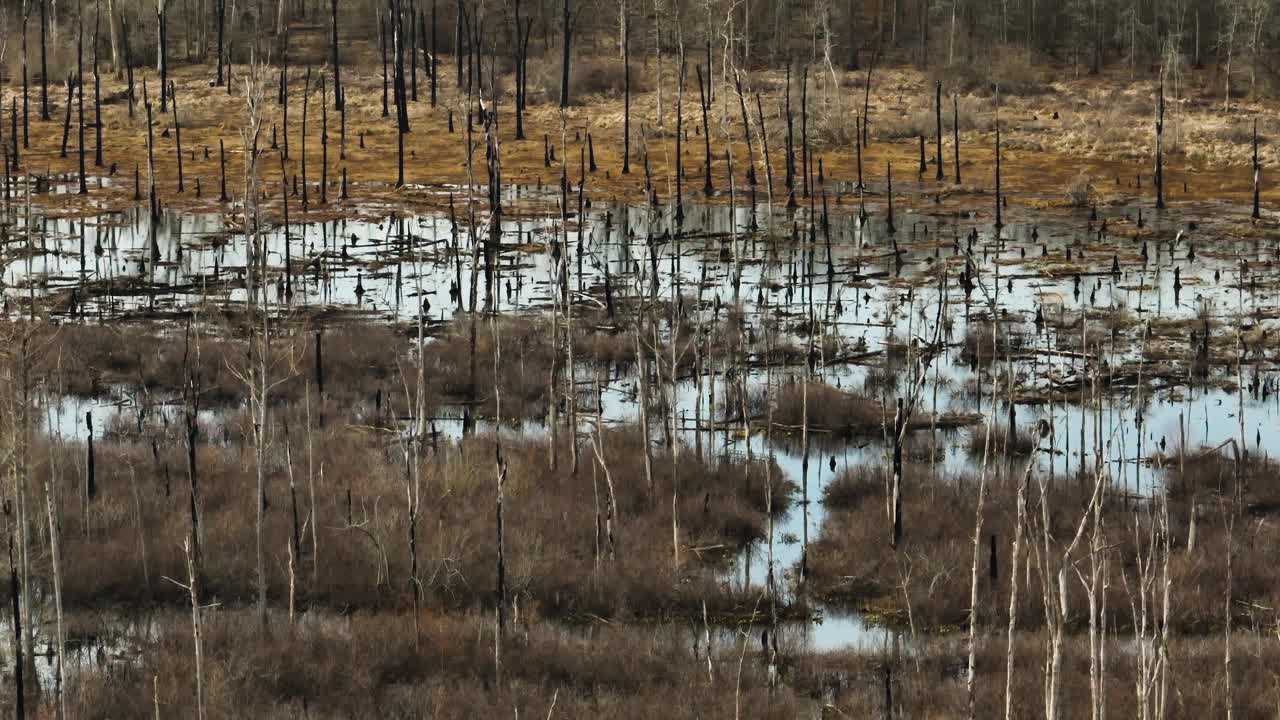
pixel 1010 75
pixel 830 409
pixel 835 124
pixel 1081 192
pixel 983 345
pixel 1238 134
pixel 856 485
pixel 909 127
pixel 1006 443
pixel 588 76
pixel 359 360
pixel 938 544
pixel 362 664
pixel 131 536
pixel 395 665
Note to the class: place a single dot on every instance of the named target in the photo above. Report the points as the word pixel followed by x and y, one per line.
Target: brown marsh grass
pixel 930 573
pixel 119 546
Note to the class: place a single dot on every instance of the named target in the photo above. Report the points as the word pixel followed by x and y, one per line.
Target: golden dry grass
pixel 1102 130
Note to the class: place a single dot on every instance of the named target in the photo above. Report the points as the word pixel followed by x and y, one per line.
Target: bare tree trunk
pixel 55 556
pixel 1019 524
pixel 626 90
pixel 196 633
pixel 112 34
pixel 162 48
pixel 971 674
pixel 1257 173
pixel 19 663
pixel 338 95
pixel 567 23
pixel 1159 172
pixel 44 62
pixel 937 108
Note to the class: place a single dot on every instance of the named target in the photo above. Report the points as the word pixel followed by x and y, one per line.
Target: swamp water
pixel 874 294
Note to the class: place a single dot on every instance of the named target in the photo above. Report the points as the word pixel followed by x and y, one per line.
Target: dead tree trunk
pixel 852 17
pixel 413 50
pixel 162 22
pixel 324 144
pixel 1159 179
pixel 25 92
pixel 222 165
pixel 44 62
pixel 128 62
pixel 14 592
pixel 111 34
pixel 458 36
pixel 1257 173
pixel 746 130
pixel 955 134
pixel 519 57
pixel 306 105
pixel 999 214
pixel 790 180
pixel 222 21
pixel 899 419
pixel 567 22
pixel 97 95
pixel 154 202
pixel 66 121
pixel 679 216
pixel 91 474
pixel 889 228
pixel 177 135
pixel 196 634
pixel 382 42
pixel 804 130
pixel 435 65
pixel 84 188
pixel 337 75
pixel 284 102
pixel 937 107
pixel 626 92
pixel 707 187
pixel 401 89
